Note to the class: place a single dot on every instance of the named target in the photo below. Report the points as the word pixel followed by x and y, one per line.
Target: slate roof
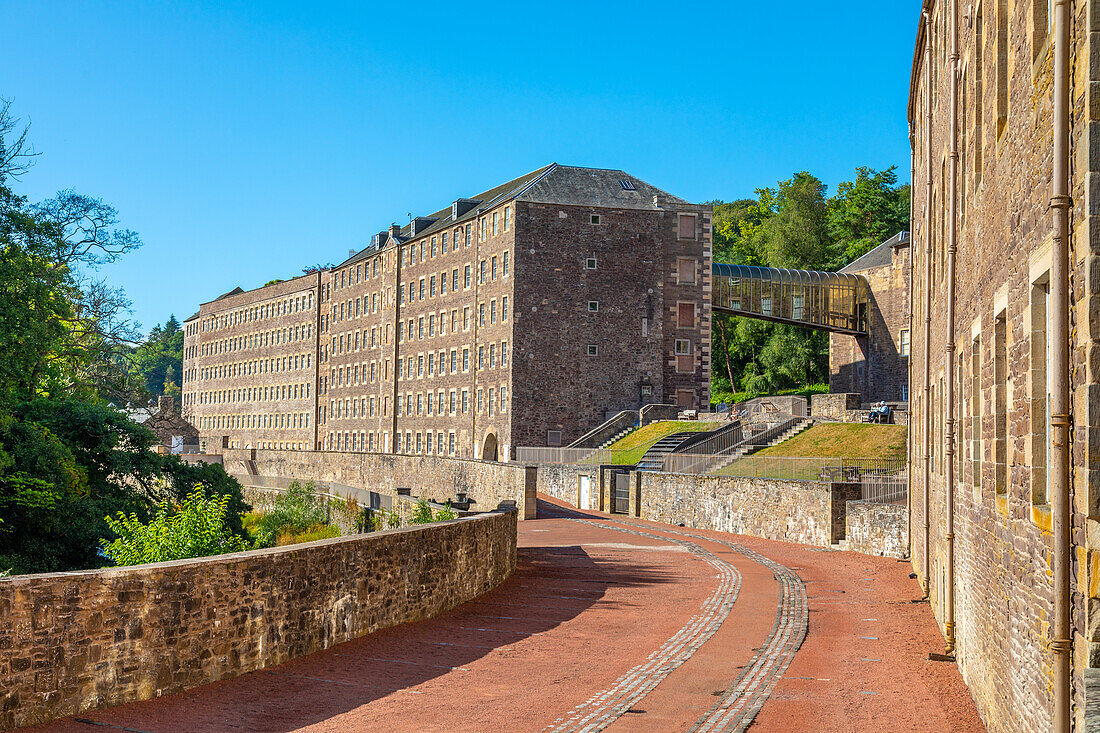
pixel 551 184
pixel 880 256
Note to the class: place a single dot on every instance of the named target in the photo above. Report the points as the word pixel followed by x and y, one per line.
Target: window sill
pixel 1041 516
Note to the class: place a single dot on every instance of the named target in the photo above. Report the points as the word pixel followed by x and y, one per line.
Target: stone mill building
pixel 520 315
pixel 1004 443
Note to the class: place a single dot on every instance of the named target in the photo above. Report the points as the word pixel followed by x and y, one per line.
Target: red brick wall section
pixel 84 640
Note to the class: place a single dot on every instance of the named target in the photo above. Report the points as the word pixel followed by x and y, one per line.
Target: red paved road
pixel 627 626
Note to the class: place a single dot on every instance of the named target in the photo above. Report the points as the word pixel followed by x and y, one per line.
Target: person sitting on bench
pixel 880 413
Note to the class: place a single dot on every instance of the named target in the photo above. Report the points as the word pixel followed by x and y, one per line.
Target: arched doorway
pixel 489 448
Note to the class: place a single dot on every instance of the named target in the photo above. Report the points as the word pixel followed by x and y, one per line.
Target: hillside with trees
pixel 796 225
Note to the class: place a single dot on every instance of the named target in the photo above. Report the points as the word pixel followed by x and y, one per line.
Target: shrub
pixel 194 528
pixel 316 532
pixel 442 515
pixel 422 513
pixel 295 511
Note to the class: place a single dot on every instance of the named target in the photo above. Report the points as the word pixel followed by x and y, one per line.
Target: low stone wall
pixel 877 529
pixel 430 477
pixel 83 640
pixel 795 511
pixel 835 404
pixel 655 412
pixel 562 480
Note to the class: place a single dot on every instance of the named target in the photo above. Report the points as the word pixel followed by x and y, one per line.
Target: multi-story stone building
pixel 523 314
pixel 1005 376
pixel 250 367
pixel 877 365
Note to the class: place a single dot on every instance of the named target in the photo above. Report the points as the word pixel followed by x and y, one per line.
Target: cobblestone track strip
pixel 739 705
pixel 737 708
pixel 606 707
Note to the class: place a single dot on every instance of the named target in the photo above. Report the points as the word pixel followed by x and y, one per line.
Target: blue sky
pixel 244 140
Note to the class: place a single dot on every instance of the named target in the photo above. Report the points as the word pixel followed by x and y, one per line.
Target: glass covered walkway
pixel 831 301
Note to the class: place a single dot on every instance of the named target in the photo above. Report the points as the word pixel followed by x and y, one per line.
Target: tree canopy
pixel 795 224
pixel 68 457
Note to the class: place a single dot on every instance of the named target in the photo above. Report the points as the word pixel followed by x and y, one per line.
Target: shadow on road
pixel 552 585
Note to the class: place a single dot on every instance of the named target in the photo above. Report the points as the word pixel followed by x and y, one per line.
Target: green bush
pixel 295 511
pixel 196 527
pixel 442 515
pixel 422 513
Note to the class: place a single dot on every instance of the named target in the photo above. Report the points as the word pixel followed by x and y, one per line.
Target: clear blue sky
pixel 244 140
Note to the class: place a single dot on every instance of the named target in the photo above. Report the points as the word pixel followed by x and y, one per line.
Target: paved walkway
pixel 617 625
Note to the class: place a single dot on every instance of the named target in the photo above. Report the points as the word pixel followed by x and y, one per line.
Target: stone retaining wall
pixel 430 477
pixel 877 529
pixel 562 480
pixel 83 640
pixel 794 511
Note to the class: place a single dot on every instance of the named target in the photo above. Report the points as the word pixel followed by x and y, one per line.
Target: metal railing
pixel 883 479
pixel 593 456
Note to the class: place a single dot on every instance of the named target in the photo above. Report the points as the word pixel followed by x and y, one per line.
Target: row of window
pixel 256 340
pixel 430 443
pixel 491 401
pixel 423 327
pixel 271 365
pixel 274 421
pixel 255 394
pixel 273 309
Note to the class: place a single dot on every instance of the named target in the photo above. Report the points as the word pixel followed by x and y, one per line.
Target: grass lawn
pixel 631 447
pixel 844 440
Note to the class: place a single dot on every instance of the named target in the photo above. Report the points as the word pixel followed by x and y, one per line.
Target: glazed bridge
pixel 830 301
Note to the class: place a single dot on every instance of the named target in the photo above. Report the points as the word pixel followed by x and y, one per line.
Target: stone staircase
pixel 797 426
pixel 653 460
pixel 621 434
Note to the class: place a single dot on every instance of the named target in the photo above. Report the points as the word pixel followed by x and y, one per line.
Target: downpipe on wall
pixel 909 365
pixel 927 569
pixel 949 345
pixel 1061 642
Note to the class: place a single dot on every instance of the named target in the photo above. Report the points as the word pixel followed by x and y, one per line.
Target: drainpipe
pixel 928 298
pixel 1060 202
pixel 949 385
pixel 909 360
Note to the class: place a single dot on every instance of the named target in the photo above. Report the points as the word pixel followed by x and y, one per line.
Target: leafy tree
pixel 195 527
pixel 795 234
pixel 157 363
pixel 867 211
pixel 734 225
pixel 422 513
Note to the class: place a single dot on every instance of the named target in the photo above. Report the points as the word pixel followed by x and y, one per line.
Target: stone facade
pixel 793 511
pixel 1002 542
pixel 877 366
pixel 488 483
pixel 877 529
pixel 523 314
pixel 250 367
pixel 83 640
